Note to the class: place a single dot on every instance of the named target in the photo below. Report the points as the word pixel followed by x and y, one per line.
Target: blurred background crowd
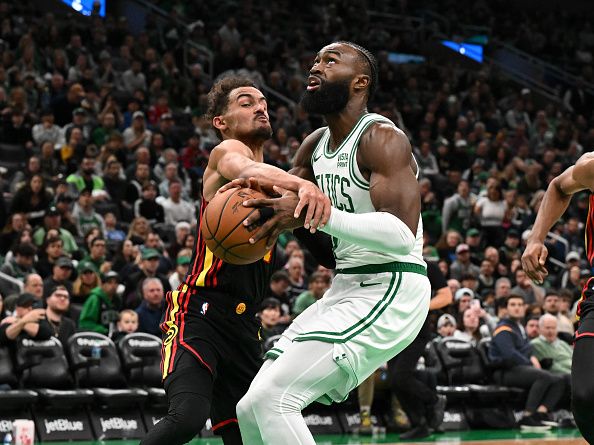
pixel 104 145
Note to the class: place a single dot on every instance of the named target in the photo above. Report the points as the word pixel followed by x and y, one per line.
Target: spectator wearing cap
pixel 147 206
pixel 462 299
pixel 318 284
pixel 147 269
pixel 182 264
pixel 473 239
pixel 51 250
pixel 446 325
pixel 175 208
pixel 137 134
pixel 21 264
pixel 85 215
pixel 61 276
pixel 518 366
pixel 457 209
pixel 27 322
pixel 57 305
pixel 571 259
pixel 85 178
pixel 269 315
pixel 79 120
pixel 47 130
pixel 100 310
pixel 527 289
pixel 511 247
pixel 97 249
pixel 462 265
pixel 52 220
pixel 87 280
pixel 151 308
pixel 182 229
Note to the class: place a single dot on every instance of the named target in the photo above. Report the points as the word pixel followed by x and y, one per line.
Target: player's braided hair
pixel 371 62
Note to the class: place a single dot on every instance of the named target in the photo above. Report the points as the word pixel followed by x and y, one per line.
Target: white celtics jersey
pixel 339 177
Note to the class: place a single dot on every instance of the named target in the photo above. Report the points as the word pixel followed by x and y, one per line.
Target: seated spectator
pixel 27 322
pixel 139 229
pixel 147 206
pixel 182 229
pixel 151 309
pixel 87 280
pixel 532 328
pixel 527 289
pixel 470 328
pixel 15 225
pixel 58 303
pixel 22 263
pixel 446 325
pixel 97 249
pixel 100 310
pixel 61 273
pixel 318 284
pixel 269 314
pixel 53 221
pixel 51 250
pixel 46 130
pixel 511 349
pixel 147 269
pixel 127 324
pixel 112 233
pixel 85 178
pixel 462 265
pixel 182 264
pixel 32 199
pixel 548 346
pixel 176 209
pixel 551 306
pixel 85 215
pixel 297 280
pixel 125 257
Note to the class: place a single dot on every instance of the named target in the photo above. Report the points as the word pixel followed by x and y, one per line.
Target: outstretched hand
pixel 533 261
pixel 283 211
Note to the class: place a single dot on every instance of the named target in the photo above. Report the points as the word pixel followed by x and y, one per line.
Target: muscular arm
pixel 232 159
pixel 554 204
pixel 394 191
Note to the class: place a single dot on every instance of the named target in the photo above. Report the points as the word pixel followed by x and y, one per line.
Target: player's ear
pixel 361 82
pixel 219 123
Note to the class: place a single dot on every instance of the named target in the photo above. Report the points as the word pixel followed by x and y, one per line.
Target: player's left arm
pixel 385 154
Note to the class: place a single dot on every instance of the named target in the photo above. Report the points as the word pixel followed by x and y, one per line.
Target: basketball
pixel 223 230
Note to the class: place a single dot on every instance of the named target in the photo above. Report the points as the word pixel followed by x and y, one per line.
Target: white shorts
pixel 369 317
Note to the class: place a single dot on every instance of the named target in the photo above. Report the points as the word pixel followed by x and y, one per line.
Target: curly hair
pixel 218 96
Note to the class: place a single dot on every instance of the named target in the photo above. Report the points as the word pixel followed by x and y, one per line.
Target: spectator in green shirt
pixel 548 346
pixel 318 284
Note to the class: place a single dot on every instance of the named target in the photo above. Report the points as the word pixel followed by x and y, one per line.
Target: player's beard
pixel 329 98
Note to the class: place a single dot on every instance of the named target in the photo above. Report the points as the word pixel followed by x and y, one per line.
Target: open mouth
pixel 313 83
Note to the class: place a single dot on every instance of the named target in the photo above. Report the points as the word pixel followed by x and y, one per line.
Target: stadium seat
pixel 11 398
pixel 141 357
pixel 117 413
pixel 461 361
pixel 12 157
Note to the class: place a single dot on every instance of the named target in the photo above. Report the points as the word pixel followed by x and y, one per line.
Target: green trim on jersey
pixel 343 143
pixel 319 146
pixel 396 266
pixel 361 325
pixel 359 181
pixel 273 353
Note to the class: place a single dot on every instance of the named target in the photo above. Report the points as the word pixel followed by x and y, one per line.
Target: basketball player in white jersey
pixel 379 299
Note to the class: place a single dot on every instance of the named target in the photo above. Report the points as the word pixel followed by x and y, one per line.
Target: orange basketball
pixel 223 230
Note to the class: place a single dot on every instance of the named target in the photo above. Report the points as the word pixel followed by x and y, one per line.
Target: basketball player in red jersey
pixel 211 347
pixel 556 200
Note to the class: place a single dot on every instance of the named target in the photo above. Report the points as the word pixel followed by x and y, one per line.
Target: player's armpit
pixel 582 175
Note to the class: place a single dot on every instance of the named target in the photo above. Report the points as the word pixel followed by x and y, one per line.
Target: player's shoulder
pixel 312 139
pixel 383 137
pixel 231 146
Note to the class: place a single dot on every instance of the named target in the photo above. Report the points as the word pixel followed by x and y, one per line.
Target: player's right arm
pixel 554 204
pixel 232 160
